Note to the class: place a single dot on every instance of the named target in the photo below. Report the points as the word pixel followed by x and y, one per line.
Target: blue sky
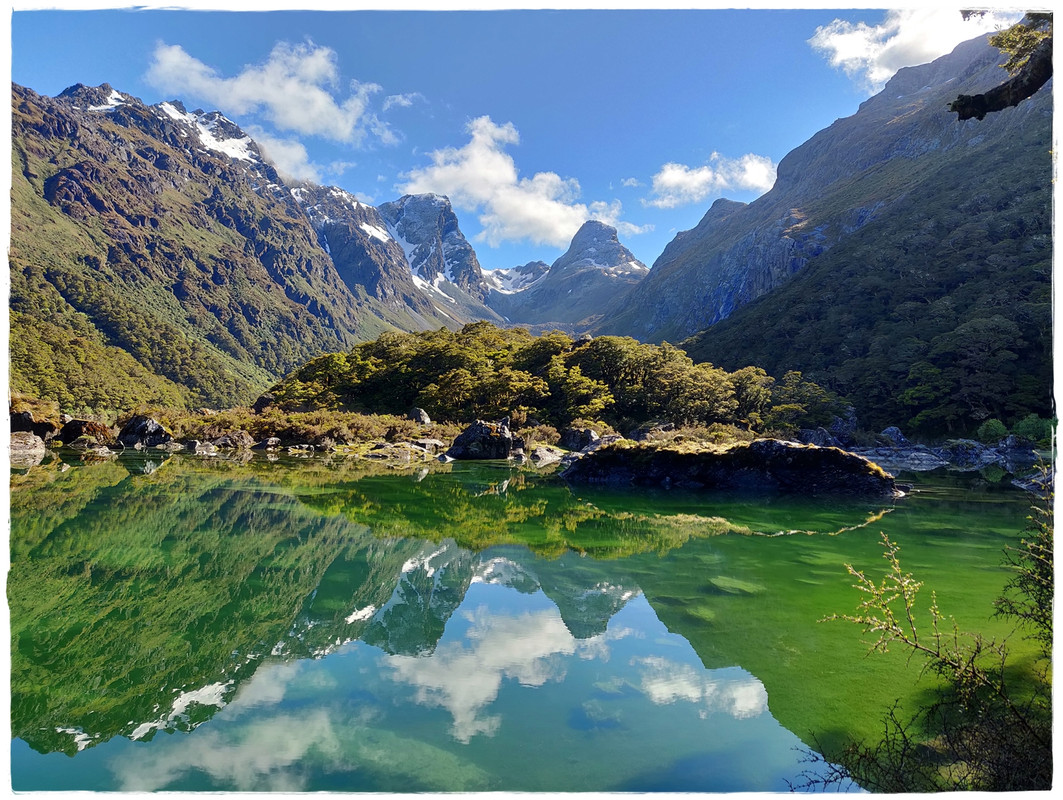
pixel 530 121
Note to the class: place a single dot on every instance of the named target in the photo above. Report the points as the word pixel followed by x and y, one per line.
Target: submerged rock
pixel 765 465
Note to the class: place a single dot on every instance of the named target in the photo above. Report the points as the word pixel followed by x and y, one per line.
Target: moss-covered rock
pixel 766 465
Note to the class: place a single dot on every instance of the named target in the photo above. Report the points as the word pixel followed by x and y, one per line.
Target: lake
pixel 180 624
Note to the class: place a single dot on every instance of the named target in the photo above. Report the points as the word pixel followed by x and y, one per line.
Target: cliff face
pixel 832 188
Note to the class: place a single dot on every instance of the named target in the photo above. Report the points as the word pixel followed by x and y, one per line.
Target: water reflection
pixel 312 629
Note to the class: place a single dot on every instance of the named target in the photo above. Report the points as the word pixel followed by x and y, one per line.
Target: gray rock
pixel 486 441
pixel 419 415
pixel 543 455
pixel 904 459
pixel 200 448
pixel 23 421
pixel 820 437
pixel 144 431
pixel 234 440
pixel 430 445
pixel 27 449
pixel 577 438
pixel 893 437
pixel 272 443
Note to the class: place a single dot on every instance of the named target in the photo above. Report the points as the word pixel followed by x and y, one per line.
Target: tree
pixel 1029 45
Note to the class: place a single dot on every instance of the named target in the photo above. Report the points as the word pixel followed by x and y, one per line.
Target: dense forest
pixel 482 371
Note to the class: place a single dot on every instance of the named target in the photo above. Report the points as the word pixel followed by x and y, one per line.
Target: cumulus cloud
pixel 401 100
pixel 677 184
pixel 481 176
pixel 297 88
pixel 289 156
pixel 872 54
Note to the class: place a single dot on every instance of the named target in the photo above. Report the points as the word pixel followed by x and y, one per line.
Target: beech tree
pixel 1029 45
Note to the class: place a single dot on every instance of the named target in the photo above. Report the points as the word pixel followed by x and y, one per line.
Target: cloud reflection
pixel 665 681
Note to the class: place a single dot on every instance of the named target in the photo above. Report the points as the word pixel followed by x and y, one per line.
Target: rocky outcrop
pixel 577 438
pixel 77 428
pixel 27 449
pixel 23 421
pixel 486 441
pixel 234 440
pixel 764 465
pixel 1013 454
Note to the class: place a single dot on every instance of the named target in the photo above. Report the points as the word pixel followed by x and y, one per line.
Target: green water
pixel 307 626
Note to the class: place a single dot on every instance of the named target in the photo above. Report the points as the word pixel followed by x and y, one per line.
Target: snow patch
pixel 376 232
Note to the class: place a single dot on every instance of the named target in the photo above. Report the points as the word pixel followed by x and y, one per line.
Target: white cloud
pixel 631 182
pixel 677 184
pixel 289 156
pixel 297 89
pixel 483 177
pixel 872 54
pixel 401 100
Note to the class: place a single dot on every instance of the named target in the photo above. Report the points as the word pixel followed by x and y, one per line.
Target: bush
pixel 1035 429
pixel 991 431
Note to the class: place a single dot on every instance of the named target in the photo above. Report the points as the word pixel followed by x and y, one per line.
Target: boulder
pixel 904 459
pixel 432 446
pixel 27 449
pixel 272 443
pixel 420 415
pixel 263 402
pixel 892 437
pixel 200 448
pixel 143 431
pixel 234 440
pixel 820 437
pixel 651 429
pixel 23 421
pixel 544 455
pixel 1016 454
pixel 486 441
pixel 76 428
pixel 577 438
pixel 764 465
pixel 967 455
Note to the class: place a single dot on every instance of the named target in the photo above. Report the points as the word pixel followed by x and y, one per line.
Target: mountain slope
pixel 828 189
pixel 592 273
pixel 156 257
pixel 903 260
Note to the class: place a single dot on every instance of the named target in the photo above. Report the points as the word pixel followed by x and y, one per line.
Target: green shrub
pixel 991 431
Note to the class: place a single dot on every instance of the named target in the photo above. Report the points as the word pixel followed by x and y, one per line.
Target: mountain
pixel 903 259
pixel 156 256
pixel 592 273
pixel 441 260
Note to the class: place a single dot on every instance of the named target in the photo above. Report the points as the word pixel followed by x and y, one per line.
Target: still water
pixel 309 626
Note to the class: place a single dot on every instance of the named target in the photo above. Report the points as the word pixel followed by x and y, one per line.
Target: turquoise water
pixel 304 626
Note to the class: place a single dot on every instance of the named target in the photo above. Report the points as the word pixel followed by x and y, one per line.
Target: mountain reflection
pixel 146 600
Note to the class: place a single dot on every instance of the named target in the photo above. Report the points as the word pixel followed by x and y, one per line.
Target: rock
pixel 23 421
pixel 967 455
pixel 486 440
pixel 764 465
pixel 544 455
pixel 27 449
pixel 843 428
pixel 1016 454
pixel 76 428
pixel 904 459
pixel 430 445
pixel 577 438
pixel 893 437
pixel 234 440
pixel 650 430
pixel 263 402
pixel 144 431
pixel 200 448
pixel 272 443
pixel 420 415
pixel 820 437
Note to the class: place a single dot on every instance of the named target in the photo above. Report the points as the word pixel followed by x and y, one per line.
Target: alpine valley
pixel 902 260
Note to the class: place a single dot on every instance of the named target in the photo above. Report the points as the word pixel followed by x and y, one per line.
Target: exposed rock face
pixel 486 440
pixel 76 428
pixel 419 415
pixel 142 431
pixel 583 282
pixel 577 438
pixel 765 465
pixel 24 421
pixel 516 279
pixel 829 189
pixel 234 440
